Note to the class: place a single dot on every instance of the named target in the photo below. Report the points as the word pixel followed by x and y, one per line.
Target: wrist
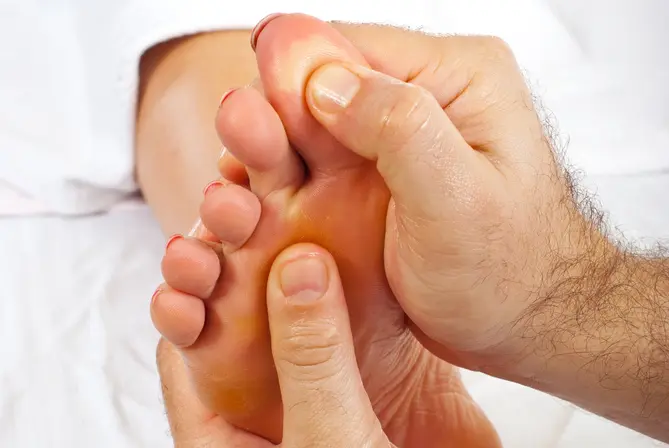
pixel 575 290
pixel 597 337
pixel 565 278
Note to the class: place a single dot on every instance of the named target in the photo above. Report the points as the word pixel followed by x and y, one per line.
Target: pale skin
pixel 574 315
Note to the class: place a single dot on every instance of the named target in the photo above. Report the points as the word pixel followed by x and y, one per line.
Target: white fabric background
pixel 77 360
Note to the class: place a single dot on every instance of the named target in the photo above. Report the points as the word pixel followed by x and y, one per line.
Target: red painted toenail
pixel 211 186
pixel 172 239
pixel 260 26
pixel 225 96
pixel 155 295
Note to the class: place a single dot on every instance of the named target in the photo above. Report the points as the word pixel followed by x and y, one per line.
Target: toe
pixel 232 169
pixel 191 266
pixel 200 232
pixel 288 50
pixel 231 213
pixel 252 131
pixel 177 316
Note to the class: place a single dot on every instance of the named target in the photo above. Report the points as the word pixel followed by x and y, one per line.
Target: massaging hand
pixel 482 227
pixel 502 263
pixel 324 401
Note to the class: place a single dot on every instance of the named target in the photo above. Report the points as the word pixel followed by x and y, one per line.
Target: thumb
pixel 419 152
pixel 324 400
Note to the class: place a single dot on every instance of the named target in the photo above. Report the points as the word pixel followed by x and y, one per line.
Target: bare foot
pixel 214 308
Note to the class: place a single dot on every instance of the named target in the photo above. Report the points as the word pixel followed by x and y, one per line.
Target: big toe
pixel 289 48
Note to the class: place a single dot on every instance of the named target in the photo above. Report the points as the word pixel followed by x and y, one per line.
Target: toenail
pixel 225 96
pixel 304 279
pixel 261 26
pixel 172 239
pixel 333 87
pixel 155 295
pixel 211 186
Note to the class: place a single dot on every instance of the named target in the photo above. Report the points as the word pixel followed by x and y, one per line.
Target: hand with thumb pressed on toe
pixel 324 401
pixel 482 225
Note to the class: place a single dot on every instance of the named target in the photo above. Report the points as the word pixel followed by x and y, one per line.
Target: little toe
pixel 289 48
pixel 230 212
pixel 178 317
pixel 252 131
pixel 191 266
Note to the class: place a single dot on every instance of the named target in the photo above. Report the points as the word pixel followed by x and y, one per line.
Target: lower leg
pixel 181 83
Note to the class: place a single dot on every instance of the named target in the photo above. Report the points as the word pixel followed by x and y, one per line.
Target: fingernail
pixel 224 151
pixel 172 239
pixel 211 186
pixel 225 96
pixel 260 26
pixel 304 280
pixel 333 88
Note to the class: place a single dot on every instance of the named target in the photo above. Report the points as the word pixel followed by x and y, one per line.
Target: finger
pixel 475 79
pixel 325 403
pixel 420 154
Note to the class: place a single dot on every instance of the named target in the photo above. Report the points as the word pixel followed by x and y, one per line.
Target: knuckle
pixel 312 350
pixel 496 79
pixel 496 50
pixel 405 115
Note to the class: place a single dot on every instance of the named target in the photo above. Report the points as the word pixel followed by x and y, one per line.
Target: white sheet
pixel 77 364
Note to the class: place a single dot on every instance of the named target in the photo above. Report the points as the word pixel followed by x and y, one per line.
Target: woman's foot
pixel 214 307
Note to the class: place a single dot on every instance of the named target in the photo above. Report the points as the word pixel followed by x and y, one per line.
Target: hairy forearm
pixel 176 144
pixel 600 337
